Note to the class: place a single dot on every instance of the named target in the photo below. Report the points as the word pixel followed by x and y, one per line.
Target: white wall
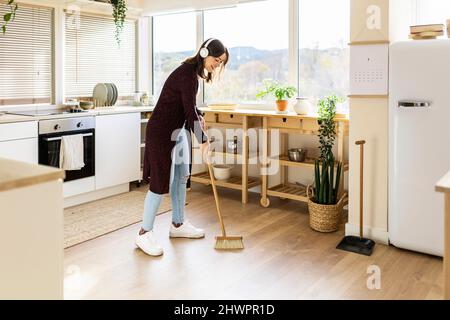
pixel 402 14
pixel 162 7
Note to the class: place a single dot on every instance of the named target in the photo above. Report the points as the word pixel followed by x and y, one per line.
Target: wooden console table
pixel 286 124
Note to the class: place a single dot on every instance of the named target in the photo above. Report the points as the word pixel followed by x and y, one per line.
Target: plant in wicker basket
pixel 325 208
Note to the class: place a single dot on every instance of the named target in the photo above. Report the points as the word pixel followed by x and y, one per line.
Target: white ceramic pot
pixel 302 105
pixel 222 171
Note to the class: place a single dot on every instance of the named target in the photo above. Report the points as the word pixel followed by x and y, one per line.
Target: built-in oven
pixel 50 135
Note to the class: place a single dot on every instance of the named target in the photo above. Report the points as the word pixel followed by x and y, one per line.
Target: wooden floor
pixel 283 259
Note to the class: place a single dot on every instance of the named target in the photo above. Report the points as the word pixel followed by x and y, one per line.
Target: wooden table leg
pixel 264 164
pixel 245 154
pixel 283 151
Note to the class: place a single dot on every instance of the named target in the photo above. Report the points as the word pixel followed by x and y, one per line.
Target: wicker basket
pixel 324 217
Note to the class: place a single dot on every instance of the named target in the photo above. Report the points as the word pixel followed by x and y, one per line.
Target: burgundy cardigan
pixel 176 104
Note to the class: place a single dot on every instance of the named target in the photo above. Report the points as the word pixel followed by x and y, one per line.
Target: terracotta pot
pixel 282 105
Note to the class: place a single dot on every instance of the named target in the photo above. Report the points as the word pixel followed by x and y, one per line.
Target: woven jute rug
pixel 94 219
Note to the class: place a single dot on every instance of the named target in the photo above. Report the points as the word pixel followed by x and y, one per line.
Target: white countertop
pixel 7 118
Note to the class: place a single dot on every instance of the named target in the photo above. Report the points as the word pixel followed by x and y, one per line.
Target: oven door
pixel 49 149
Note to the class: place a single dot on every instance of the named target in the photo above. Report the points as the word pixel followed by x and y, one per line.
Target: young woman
pixel 167 148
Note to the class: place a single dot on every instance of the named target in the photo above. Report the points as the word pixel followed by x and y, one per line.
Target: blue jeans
pixel 178 180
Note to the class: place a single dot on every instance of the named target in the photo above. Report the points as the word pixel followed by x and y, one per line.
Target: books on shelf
pixel 426 31
pixel 426 28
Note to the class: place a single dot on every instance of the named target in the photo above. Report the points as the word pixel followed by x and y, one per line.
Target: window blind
pixel 26 56
pixel 92 55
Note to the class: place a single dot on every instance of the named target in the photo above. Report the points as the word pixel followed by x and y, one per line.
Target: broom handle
pixel 216 196
pixel 361 190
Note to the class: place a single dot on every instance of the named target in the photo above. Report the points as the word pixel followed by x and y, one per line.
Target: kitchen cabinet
pixel 19 141
pixel 31 231
pixel 117 149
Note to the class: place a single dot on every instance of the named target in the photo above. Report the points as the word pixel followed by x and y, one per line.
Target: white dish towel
pixel 71 154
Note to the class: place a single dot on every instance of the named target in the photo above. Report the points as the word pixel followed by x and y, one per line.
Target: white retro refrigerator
pixel 419 142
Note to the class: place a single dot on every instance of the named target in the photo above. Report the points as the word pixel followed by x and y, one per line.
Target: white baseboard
pixel 378 235
pixel 95 195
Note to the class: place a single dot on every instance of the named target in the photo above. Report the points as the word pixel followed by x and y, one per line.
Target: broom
pixel 223 242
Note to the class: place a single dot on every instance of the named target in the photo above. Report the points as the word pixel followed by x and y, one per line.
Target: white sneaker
pixel 148 244
pixel 186 230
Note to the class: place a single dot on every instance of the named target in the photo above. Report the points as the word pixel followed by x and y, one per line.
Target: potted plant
pixel 279 91
pixel 119 15
pixel 325 202
pixel 9 16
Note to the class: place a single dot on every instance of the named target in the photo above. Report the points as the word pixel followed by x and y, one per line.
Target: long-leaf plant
pixel 326 185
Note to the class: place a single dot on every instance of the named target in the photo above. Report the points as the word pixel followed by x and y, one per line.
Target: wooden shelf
pixel 235 182
pixel 223 125
pixel 292 130
pixel 308 163
pixel 289 191
pixel 234 156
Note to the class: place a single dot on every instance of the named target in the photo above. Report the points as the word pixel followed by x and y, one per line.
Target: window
pixel 26 57
pixel 174 40
pixel 433 11
pixel 323 50
pixel 257 37
pixel 92 55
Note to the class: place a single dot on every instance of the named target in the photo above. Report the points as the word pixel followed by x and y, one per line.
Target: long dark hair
pixel 216 49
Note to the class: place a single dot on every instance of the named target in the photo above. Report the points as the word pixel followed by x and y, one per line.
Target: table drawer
pixel 231 118
pixel 279 122
pixel 310 124
pixel 210 116
pixel 223 118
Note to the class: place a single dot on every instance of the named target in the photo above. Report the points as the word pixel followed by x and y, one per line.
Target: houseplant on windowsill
pixel 325 201
pixel 280 92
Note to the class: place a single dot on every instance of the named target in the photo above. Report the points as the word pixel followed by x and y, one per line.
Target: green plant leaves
pixel 327 185
pixel 279 91
pixel 119 15
pixel 9 16
pixel 327 128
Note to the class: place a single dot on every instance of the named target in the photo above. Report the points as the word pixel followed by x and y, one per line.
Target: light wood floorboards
pixel 283 259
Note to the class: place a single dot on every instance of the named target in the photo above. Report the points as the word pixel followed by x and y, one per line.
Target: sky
pixel 263 25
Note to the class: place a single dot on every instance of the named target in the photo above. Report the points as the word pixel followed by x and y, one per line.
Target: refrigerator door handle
pixel 413 104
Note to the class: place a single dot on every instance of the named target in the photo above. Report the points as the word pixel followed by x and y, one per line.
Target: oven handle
pixel 59 138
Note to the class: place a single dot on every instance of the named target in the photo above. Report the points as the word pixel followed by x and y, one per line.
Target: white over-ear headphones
pixel 204 52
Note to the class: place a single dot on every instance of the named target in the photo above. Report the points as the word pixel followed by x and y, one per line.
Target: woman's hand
pixel 202 122
pixel 204 147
